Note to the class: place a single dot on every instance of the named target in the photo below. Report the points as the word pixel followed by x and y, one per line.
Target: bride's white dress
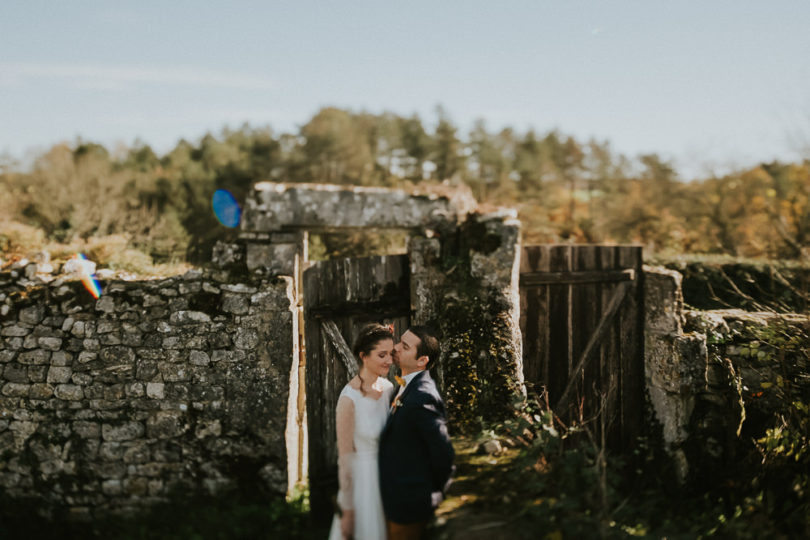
pixel 370 416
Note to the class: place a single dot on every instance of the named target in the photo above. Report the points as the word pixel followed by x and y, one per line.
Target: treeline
pixel 566 190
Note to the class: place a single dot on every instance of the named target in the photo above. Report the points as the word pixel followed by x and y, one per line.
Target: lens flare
pixel 85 270
pixel 226 208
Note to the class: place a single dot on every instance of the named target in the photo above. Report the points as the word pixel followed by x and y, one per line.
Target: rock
pixel 15 372
pixel 105 273
pixel 136 487
pixel 83 379
pixel 79 266
pixel 274 478
pixel 150 300
pixel 15 389
pixel 87 430
pixel 189 317
pixel 30 271
pixel 15 331
pixel 58 374
pixel 173 372
pixel 50 343
pixel 33 314
pixel 37 373
pixel 60 358
pixel 199 358
pixel 135 389
pixel 69 392
pixel 208 429
pixel 246 338
pixel 111 487
pixel 123 432
pixel 37 356
pixel 165 424
pixel 192 274
pixel 85 357
pixel 492 446
pixel 155 390
pixel 236 304
pixel 40 391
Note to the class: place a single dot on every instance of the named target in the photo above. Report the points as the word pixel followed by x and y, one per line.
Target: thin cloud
pixel 119 77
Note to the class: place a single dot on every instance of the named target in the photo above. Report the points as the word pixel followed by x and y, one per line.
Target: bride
pixel 362 410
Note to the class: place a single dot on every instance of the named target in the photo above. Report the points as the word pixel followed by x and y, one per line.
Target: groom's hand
pixel 347 524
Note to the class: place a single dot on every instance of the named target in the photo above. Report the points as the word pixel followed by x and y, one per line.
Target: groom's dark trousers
pixel 416 457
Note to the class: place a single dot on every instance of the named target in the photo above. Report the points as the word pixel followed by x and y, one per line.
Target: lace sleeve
pixel 345 448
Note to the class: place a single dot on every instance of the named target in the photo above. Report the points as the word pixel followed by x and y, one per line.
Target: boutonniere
pixel 396 404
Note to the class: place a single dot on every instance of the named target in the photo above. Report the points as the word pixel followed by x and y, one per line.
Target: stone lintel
pixel 272 207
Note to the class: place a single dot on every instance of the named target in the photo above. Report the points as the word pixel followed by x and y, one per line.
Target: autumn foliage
pixel 565 190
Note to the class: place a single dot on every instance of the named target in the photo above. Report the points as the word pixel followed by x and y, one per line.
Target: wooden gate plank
pixel 604 323
pixel 632 349
pixel 534 327
pixel 586 313
pixel 342 350
pixel 609 351
pixel 559 322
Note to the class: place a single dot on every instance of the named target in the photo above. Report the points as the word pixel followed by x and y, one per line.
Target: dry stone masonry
pixel 194 381
pixel 464 274
pixel 709 374
pixel 108 404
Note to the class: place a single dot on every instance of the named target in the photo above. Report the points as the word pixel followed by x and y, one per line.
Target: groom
pixel 416 456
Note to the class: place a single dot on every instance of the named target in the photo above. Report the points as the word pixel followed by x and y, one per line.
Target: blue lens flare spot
pixel 226 208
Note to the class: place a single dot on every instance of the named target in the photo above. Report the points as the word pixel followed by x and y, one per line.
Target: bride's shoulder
pixel 385 384
pixel 351 388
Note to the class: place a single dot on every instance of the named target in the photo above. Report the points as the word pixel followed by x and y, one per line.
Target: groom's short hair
pixel 428 344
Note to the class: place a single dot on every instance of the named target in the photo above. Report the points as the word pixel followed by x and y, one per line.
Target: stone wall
pixel 756 363
pixel 109 404
pixel 712 376
pixel 674 362
pixel 465 283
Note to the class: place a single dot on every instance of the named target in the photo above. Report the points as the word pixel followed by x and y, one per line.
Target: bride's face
pixel 378 361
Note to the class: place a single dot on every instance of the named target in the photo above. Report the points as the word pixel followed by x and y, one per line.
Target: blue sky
pixel 709 84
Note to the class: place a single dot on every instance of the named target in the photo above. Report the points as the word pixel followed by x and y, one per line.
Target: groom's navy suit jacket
pixel 416 455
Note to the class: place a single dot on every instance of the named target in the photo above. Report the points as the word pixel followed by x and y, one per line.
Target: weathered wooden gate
pixel 340 297
pixel 581 316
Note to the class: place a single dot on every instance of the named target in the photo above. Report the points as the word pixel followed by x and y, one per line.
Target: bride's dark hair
pixel 370 335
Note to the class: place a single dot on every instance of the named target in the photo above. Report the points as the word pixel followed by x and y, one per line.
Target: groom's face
pixel 405 355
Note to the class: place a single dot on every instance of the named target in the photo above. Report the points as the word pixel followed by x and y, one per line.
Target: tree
pixel 447 148
pixel 416 145
pixel 529 164
pixel 336 149
pixel 489 167
pixel 789 204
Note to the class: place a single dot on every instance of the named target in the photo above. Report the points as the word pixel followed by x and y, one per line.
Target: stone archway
pixel 462 263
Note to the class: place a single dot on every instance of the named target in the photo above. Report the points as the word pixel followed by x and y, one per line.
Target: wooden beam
pixel 607 315
pixel 373 310
pixel 343 351
pixel 538 279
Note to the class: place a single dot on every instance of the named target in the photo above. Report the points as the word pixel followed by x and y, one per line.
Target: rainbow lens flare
pixel 88 278
pixel 226 208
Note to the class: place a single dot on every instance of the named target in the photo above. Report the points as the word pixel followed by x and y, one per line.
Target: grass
pixel 113 252
pixel 559 484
